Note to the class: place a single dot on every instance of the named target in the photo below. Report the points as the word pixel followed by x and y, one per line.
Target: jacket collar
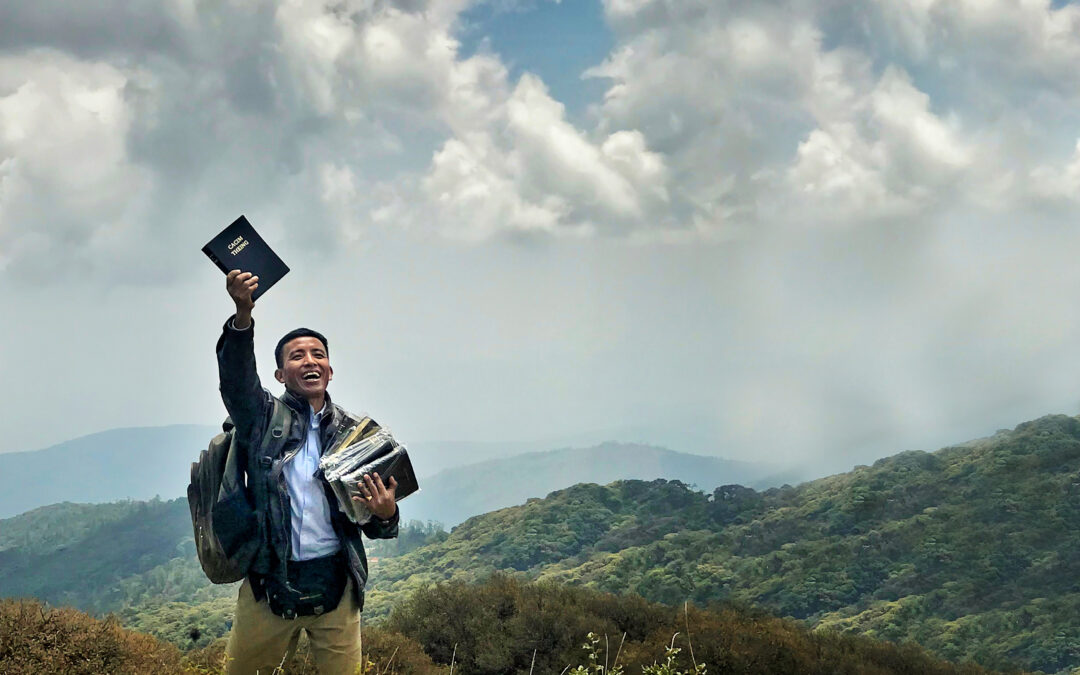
pixel 303 409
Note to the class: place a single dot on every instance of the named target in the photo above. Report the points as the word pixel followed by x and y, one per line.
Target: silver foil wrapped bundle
pixel 366 449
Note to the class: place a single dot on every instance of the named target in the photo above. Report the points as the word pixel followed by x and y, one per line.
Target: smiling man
pixel 311 569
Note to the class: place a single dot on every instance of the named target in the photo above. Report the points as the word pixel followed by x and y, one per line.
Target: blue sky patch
pixel 556 40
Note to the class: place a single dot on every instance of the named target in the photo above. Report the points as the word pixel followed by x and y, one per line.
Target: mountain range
pixel 141 463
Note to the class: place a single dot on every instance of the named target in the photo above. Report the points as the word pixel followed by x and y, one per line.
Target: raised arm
pixel 244 397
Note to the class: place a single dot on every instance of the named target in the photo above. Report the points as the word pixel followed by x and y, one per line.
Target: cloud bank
pixel 817 226
pixel 134 121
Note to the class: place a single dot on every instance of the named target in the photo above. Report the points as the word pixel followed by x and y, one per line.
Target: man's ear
pixel 331 374
pixel 279 376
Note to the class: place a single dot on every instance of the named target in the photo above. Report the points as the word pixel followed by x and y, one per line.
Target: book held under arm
pixel 366 449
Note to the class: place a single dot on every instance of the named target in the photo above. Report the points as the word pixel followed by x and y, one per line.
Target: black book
pixel 239 247
pixel 389 461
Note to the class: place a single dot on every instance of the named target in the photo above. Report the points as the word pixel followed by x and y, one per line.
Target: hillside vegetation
pixel 501 627
pixel 48 529
pixel 35 640
pixel 84 566
pixel 137 560
pixel 969 551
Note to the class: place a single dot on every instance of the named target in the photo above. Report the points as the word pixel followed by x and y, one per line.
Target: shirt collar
pixel 315 419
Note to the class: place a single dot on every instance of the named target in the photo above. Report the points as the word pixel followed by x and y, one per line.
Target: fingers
pixel 377 496
pixel 374 488
pixel 236 277
pixel 369 489
pixel 241 285
pixel 365 490
pixel 374 485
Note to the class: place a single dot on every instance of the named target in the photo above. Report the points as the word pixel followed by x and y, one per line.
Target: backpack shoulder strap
pixel 281 419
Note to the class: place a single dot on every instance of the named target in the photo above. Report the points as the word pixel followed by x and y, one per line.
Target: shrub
pixel 505 626
pixel 36 640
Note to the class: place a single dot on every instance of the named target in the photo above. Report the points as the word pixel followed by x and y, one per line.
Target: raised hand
pixel 240 286
pixel 378 497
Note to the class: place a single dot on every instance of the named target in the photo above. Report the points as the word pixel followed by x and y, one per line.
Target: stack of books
pixel 366 449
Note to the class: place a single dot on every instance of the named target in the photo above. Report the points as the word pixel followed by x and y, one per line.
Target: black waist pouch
pixel 313 587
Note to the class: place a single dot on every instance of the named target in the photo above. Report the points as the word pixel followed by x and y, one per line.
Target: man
pixel 311 569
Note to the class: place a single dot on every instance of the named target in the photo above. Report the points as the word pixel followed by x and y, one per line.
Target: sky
pixel 812 232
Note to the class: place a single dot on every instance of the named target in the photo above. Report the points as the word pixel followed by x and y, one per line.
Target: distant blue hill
pixel 141 463
pixel 455 494
pixel 132 463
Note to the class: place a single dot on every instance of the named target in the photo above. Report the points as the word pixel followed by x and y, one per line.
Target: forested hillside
pixel 85 569
pixel 969 551
pixel 137 560
pixel 50 528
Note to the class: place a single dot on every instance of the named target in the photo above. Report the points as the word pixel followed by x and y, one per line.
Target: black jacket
pixel 250 407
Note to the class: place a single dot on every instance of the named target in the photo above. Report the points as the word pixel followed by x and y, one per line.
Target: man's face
pixel 305 368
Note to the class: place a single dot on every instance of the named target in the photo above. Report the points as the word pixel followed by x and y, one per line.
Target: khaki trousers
pixel 260 639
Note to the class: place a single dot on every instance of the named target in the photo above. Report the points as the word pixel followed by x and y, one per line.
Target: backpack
pixel 225 522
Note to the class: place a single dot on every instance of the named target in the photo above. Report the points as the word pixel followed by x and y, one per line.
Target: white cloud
pixel 993 42
pixel 528 169
pixel 884 155
pixel 197 112
pixel 836 166
pixel 800 112
pixel 65 175
pixel 719 120
pixel 1057 184
pixel 472 184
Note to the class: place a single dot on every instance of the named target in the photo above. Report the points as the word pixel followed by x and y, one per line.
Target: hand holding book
pixel 241 286
pixel 376 496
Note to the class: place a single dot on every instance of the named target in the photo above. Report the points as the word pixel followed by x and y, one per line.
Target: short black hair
pixel 279 354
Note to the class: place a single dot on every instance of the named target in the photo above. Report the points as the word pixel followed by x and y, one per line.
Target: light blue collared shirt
pixel 311 533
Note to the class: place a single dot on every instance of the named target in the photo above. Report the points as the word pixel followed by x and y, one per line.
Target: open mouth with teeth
pixel 312 376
